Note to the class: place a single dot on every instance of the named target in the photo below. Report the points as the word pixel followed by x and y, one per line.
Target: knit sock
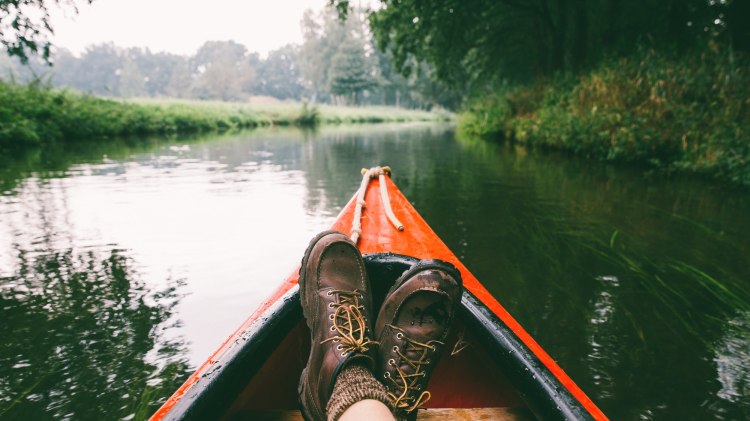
pixel 353 384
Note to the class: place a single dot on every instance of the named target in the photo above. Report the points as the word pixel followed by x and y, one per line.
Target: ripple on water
pixel 732 358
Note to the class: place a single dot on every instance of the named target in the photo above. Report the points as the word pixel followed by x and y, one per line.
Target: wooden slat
pixel 493 414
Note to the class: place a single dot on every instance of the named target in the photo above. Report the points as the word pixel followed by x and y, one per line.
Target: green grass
pixel 33 115
pixel 688 113
pixel 292 112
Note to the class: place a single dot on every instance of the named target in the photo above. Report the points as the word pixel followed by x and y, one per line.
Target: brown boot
pixel 412 325
pixel 336 302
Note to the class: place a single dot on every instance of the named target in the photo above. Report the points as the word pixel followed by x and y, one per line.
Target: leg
pixel 368 409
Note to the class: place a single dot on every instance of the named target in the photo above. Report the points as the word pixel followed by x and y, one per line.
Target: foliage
pixel 280 74
pixel 25 27
pixel 351 72
pixel 336 63
pixel 35 114
pixel 480 43
pixel 687 112
pixel 309 115
pixel 326 35
pixel 222 70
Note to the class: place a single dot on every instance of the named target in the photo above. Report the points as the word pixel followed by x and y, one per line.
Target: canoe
pixel 492 367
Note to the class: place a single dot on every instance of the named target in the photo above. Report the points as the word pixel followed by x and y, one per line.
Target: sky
pixel 181 26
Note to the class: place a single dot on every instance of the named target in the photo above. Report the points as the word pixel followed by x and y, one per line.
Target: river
pixel 123 265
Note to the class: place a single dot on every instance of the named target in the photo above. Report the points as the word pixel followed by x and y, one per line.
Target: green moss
pixel 689 113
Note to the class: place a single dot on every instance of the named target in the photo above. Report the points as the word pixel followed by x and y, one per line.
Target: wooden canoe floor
pixel 494 414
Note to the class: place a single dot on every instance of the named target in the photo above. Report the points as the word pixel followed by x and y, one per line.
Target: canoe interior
pixel 467 379
pixel 258 374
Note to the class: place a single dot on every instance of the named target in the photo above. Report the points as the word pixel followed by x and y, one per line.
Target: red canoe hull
pixel 417 240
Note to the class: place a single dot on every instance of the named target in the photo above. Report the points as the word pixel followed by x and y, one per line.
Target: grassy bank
pixel 290 113
pixel 36 115
pixel 689 113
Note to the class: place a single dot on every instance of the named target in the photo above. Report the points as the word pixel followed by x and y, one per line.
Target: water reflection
pixel 732 358
pixel 83 336
pixel 637 285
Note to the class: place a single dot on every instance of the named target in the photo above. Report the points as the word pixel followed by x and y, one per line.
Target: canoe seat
pixel 494 414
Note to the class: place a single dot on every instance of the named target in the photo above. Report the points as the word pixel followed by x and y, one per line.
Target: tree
pixel 476 44
pixel 223 70
pixel 101 66
pixel 157 69
pixel 279 75
pixel 351 71
pixel 25 27
pixel 131 81
pixel 322 35
pixel 180 80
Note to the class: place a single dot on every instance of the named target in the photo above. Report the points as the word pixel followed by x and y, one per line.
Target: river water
pixel 122 266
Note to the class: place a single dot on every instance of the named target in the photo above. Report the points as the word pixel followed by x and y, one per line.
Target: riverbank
pixel 689 113
pixel 32 115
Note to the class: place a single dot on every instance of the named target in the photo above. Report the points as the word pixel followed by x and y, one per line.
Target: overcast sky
pixel 181 26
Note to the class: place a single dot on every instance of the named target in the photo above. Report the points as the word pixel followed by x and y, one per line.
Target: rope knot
pixel 376 171
pixel 367 175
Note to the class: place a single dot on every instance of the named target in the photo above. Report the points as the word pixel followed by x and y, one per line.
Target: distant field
pixel 287 112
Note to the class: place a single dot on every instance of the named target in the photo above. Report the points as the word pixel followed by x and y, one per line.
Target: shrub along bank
pixel 36 115
pixel 689 113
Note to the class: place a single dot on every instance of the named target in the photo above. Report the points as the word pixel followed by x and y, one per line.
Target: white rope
pixel 367 175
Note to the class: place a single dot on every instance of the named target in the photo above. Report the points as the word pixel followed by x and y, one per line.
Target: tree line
pixel 337 62
pixel 403 52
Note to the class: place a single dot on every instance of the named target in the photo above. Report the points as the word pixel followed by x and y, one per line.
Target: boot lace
pixel 407 384
pixel 349 323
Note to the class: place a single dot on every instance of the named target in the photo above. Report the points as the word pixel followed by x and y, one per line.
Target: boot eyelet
pixel 387 375
pixel 339 347
pixel 329 293
pixel 424 374
pixel 330 305
pixel 427 362
pixel 434 348
pixel 330 316
pixel 391 362
pixel 333 329
pixel 395 349
pixel 399 335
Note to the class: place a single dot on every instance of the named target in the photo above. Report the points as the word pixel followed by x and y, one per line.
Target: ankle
pixel 354 384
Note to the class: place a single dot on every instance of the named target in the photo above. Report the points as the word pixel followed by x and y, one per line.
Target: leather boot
pixel 336 302
pixel 412 327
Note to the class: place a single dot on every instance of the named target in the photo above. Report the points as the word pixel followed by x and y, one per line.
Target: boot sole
pixel 301 394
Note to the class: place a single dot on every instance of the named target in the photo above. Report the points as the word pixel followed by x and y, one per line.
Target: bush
pixel 688 113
